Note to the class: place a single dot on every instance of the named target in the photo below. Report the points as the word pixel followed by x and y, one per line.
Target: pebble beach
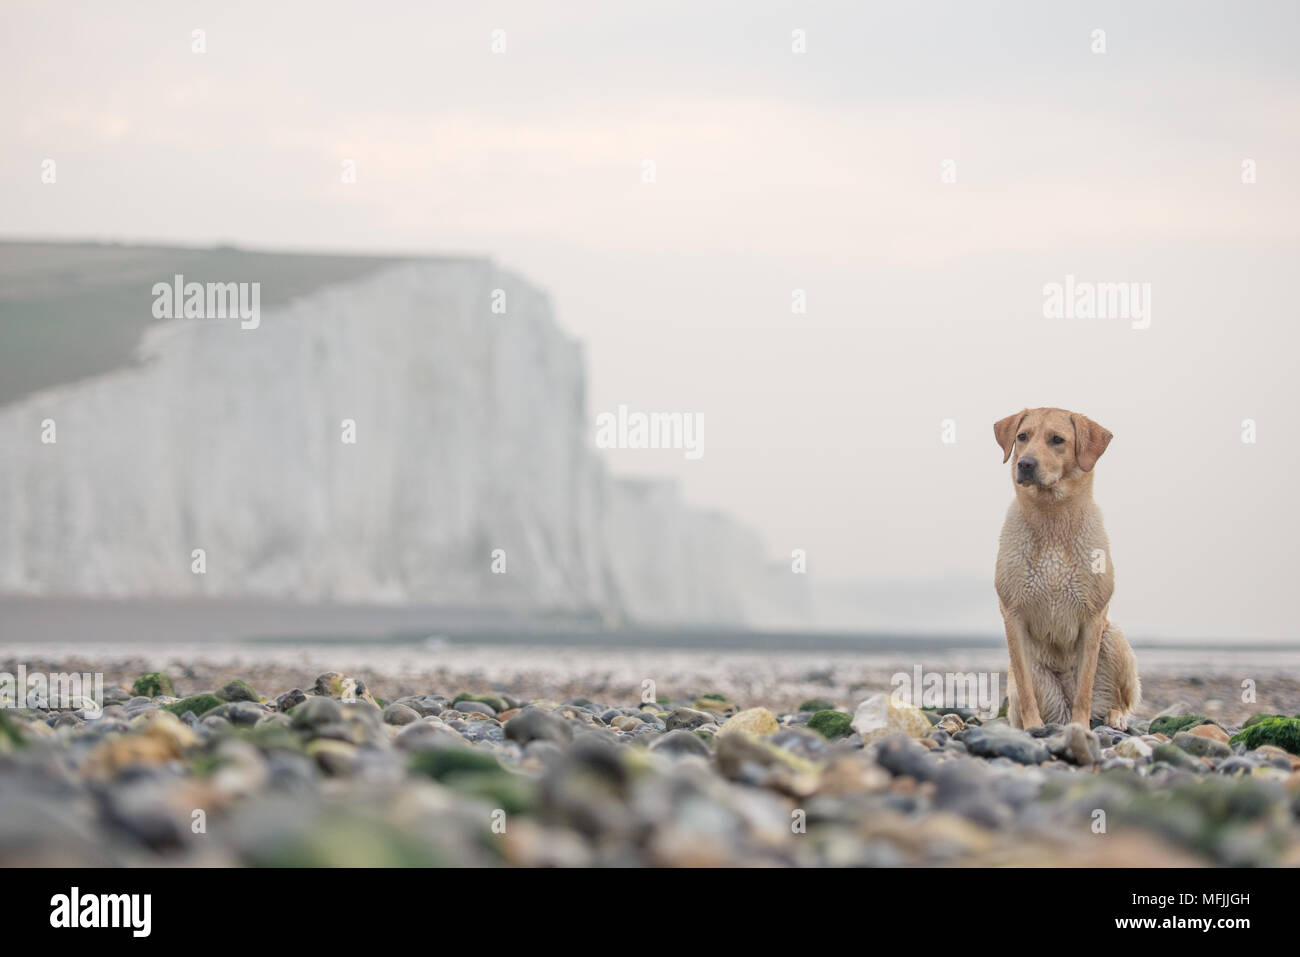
pixel 525 757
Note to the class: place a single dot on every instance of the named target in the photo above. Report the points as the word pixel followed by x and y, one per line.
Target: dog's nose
pixel 1026 464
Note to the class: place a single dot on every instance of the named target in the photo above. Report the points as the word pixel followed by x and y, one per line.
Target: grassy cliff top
pixel 69 310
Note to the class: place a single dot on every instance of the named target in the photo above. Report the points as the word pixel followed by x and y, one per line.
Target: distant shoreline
pixel 251 624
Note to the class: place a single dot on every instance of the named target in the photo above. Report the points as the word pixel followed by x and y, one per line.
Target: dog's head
pixel 1053 451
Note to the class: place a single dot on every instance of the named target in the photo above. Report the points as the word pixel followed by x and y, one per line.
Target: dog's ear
pixel 1004 430
pixel 1090 440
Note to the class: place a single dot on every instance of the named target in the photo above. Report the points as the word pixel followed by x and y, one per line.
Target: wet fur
pixel 1054 579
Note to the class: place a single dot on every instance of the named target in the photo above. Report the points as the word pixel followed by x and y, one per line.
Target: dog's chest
pixel 1053 586
pixel 1053 598
pixel 1052 574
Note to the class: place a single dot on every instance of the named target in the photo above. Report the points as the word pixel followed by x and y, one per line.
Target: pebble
pixel 883 715
pixel 750 721
pixel 680 742
pixel 1201 745
pixel 1077 744
pixel 1176 757
pixel 400 714
pixel 1003 741
pixel 290 699
pixel 1134 749
pixel 532 724
pixel 687 718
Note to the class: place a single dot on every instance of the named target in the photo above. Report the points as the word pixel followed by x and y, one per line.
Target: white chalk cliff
pixel 472 434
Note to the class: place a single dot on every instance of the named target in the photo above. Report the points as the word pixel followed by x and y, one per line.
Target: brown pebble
pixel 1212 731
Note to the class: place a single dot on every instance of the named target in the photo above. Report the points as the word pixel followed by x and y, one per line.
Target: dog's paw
pixel 1117 719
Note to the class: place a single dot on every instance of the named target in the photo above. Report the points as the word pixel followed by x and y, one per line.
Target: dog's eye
pixel 1022 437
pixel 1058 440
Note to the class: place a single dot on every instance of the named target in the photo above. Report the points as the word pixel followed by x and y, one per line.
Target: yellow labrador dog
pixel 1054 578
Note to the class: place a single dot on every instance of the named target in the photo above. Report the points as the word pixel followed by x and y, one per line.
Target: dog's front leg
pixel 1090 638
pixel 1017 650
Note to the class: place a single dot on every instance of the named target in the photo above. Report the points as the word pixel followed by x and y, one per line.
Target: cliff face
pixel 472 435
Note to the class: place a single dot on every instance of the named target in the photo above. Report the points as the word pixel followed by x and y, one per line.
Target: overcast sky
pixel 775 171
